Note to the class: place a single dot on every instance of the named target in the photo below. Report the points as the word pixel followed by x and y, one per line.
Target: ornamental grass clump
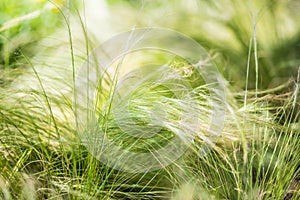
pixel 230 143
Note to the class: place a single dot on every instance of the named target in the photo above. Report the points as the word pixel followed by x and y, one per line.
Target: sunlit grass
pixel 255 157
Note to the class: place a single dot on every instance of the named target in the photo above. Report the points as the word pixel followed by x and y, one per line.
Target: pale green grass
pixel 255 157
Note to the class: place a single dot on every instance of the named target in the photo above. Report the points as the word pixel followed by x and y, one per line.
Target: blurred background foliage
pixel 22 25
pixel 226 29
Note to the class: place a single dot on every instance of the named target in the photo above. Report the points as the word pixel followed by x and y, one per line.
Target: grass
pixel 42 155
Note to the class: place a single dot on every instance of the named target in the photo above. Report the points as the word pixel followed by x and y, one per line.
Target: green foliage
pixel 228 29
pixel 256 155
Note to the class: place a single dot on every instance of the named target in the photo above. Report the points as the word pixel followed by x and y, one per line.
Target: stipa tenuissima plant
pixel 42 156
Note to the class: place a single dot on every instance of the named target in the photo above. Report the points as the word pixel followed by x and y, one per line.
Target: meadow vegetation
pixel 255 46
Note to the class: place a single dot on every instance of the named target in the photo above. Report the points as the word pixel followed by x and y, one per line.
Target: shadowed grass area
pixel 228 29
